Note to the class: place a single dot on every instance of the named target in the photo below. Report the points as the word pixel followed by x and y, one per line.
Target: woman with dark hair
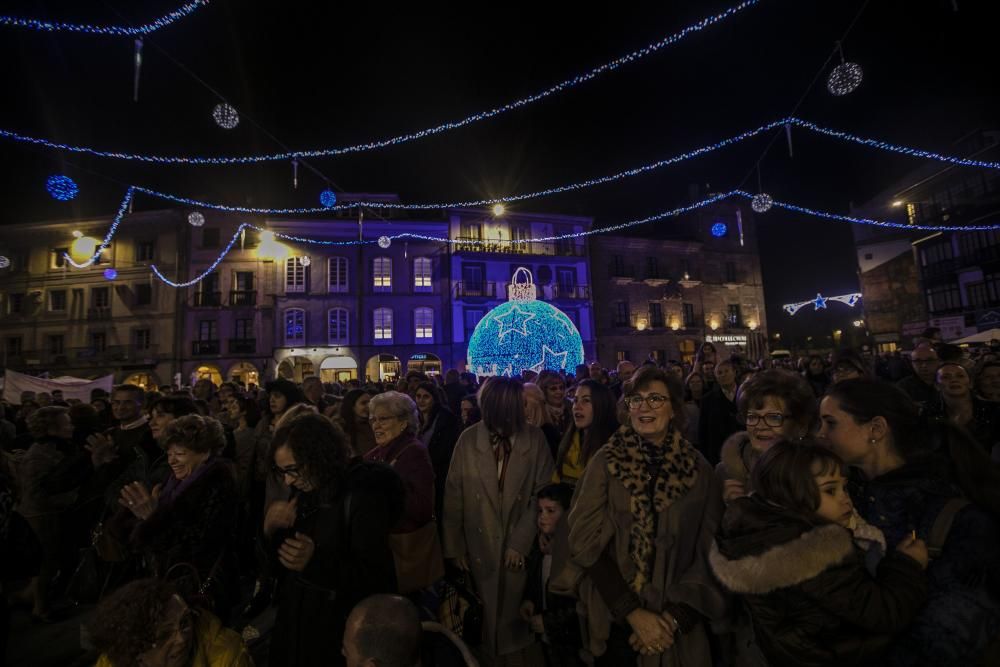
pixel 913 475
pixel 594 420
pixel 439 431
pixel 815 374
pixel 641 527
pixel 148 623
pixel 470 411
pixel 774 405
pixel 498 467
pixel 848 365
pixel 331 539
pixel 103 407
pixel 190 519
pixel 705 360
pixel 354 421
pixel 988 381
pixel 956 402
pixel 243 414
pixel 694 390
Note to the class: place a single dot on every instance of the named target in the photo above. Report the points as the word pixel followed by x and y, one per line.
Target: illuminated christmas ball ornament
pixel 761 203
pixel 844 78
pixel 110 274
pixel 4 262
pixel 524 334
pixel 62 188
pixel 305 261
pixel 719 229
pixel 196 219
pixel 384 242
pixel 328 198
pixel 225 116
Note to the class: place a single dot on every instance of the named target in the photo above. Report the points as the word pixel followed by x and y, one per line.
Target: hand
pixel 513 559
pixel 138 500
pixel 537 624
pixel 652 632
pixel 915 549
pixel 527 610
pixel 462 563
pixel 733 489
pixel 280 515
pixel 101 448
pixel 296 552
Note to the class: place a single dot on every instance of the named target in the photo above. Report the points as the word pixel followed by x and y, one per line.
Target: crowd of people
pixel 814 511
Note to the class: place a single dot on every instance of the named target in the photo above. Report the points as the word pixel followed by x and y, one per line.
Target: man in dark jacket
pixel 718 419
pixel 920 386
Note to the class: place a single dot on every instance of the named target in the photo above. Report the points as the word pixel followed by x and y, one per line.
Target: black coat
pixel 717 421
pixel 809 595
pixel 447 428
pixel 352 560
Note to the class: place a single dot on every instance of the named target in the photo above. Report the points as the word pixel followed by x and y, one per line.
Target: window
pixel 566 280
pixel 210 237
pixel 338 326
pixel 143 294
pixel 472 318
pixel 938 252
pixel 337 274
pixel 471 232
pixel 734 317
pixel 423 324
pixel 295 275
pixel 57 259
pixel 144 251
pixel 208 330
pixel 621 314
pixel 244 329
pixel 295 326
pixel 14 346
pixel 100 297
pixel 57 300
pixel 56 344
pixel 977 293
pixel 383 325
pixel 142 339
pixel 422 274
pixel 617 266
pixel 243 281
pixel 655 314
pixel 382 274
pixel 99 341
pixel 243 293
pixel 652 267
pixel 15 304
pixel 623 355
pixel 731 275
pixel 689 321
pixel 868 256
pixel 944 298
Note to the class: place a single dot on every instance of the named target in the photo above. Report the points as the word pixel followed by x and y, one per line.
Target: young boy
pixel 552 616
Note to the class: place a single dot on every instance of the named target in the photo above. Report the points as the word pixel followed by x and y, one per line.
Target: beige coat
pixel 480 524
pixel 601 515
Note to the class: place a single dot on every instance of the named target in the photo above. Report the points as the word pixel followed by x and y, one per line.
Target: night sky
pixel 308 75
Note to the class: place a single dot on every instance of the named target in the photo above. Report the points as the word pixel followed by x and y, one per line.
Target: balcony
pixel 207 299
pixel 203 347
pixel 101 314
pixel 565 248
pixel 78 357
pixel 242 346
pixel 481 289
pixel 243 298
pixel 570 292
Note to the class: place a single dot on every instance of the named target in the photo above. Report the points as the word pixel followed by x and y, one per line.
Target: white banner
pixel 78 388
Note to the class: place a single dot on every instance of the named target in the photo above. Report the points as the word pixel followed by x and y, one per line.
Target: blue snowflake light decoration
pixel 328 198
pixel 524 333
pixel 62 188
pixel 719 229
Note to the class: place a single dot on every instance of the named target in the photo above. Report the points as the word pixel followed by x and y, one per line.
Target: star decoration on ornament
pixel 549 352
pixel 513 315
pixel 819 302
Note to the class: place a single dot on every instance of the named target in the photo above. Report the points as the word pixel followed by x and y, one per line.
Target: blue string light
pixel 62 188
pixel 112 30
pixel 126 200
pixel 201 276
pixel 634 56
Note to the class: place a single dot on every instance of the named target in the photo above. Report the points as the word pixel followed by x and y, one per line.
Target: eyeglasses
pixel 381 420
pixel 772 419
pixel 291 471
pixel 654 401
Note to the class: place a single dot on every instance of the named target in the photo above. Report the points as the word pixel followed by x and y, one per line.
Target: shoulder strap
pixel 942 525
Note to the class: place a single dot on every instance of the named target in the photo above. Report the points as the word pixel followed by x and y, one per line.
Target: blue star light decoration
pixel 820 302
pixel 524 334
pixel 62 188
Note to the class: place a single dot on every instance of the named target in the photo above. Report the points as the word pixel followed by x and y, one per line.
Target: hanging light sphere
pixel 305 261
pixel 328 198
pixel 196 219
pixel 4 262
pixel 110 274
pixel 719 229
pixel 844 78
pixel 761 203
pixel 225 116
pixel 62 188
pixel 384 242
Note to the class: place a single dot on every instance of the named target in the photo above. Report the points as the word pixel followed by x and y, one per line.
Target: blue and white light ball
pixel 524 334
pixel 844 79
pixel 328 198
pixel 761 203
pixel 62 188
pixel 720 229
pixel 110 274
pixel 225 116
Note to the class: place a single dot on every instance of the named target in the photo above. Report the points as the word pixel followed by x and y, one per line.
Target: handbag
pixel 461 609
pixel 417 554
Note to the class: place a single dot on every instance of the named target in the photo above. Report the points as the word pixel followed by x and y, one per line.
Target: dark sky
pixel 325 74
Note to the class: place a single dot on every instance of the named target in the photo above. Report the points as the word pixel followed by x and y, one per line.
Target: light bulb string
pixel 106 30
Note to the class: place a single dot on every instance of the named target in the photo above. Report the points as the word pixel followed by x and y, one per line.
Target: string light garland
pixel 122 208
pixel 106 30
pixel 820 302
pixel 567 84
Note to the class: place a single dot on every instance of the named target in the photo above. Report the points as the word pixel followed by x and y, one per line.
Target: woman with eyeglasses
pixel 330 542
pixel 499 466
pixel 645 513
pixel 774 405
